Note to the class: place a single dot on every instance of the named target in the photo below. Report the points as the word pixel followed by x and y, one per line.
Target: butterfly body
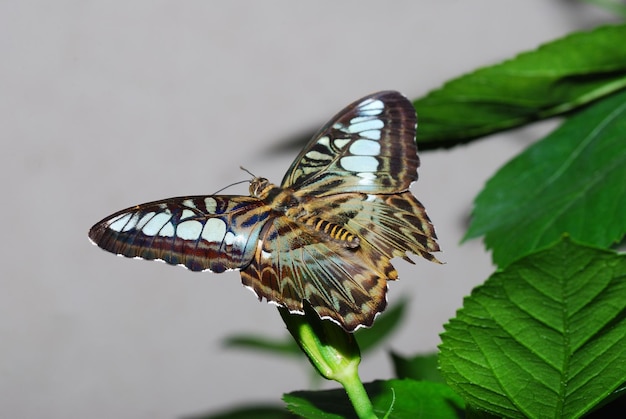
pixel 326 235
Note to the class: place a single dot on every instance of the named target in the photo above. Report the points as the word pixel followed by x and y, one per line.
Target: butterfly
pixel 325 237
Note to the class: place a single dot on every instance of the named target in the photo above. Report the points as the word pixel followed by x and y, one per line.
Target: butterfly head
pixel 259 187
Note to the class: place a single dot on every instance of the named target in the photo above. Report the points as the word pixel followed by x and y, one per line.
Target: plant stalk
pixel 333 352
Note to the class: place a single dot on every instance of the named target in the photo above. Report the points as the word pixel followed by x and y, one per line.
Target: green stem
pixel 357 394
pixel 333 352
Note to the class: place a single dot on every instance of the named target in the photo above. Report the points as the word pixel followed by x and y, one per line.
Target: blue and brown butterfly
pixel 326 235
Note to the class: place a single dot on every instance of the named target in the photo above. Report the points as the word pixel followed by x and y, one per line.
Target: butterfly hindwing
pixel 293 265
pixel 367 147
pixel 213 233
pixel 394 224
pixel 295 262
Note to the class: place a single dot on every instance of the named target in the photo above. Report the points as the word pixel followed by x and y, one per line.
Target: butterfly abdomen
pixel 332 231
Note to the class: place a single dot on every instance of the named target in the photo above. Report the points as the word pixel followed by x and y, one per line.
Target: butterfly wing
pixel 367 147
pixel 393 224
pixel 215 233
pixel 353 175
pixel 293 264
pixel 348 285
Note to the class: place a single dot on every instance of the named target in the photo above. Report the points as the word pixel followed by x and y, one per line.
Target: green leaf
pixel 281 347
pixel 555 78
pixel 573 181
pixel 614 6
pixel 403 398
pixel 419 367
pixel 546 337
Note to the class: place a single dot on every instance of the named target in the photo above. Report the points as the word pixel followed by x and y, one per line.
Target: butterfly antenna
pixel 232 184
pixel 247 171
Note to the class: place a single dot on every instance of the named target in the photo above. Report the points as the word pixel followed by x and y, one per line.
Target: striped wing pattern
pixel 202 233
pixel 367 147
pixel 341 284
pixel 325 236
pixel 344 284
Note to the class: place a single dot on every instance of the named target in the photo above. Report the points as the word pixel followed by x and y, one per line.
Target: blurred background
pixel 108 104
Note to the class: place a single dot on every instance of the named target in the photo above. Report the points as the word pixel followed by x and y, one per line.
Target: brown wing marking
pixel 345 285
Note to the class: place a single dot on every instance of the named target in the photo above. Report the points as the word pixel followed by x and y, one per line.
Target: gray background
pixel 107 104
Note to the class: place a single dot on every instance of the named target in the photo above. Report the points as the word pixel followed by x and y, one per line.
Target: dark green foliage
pixel 573 181
pixel 399 398
pixel 419 367
pixel 545 337
pixel 558 77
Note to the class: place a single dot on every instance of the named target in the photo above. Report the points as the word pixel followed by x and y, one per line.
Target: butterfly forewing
pixel 213 233
pixel 367 147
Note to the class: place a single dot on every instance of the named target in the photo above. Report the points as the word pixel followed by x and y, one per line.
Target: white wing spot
pixel 366 126
pixel 324 141
pixel 229 238
pixel 316 155
pixel 189 203
pixel 365 148
pixel 359 164
pixel 214 230
pixel 210 204
pixel 372 107
pixel 189 230
pixel 187 214
pixel 373 112
pixel 118 223
pixel 167 230
pixel 358 119
pixel 370 134
pixel 341 142
pixel 367 178
pixel 157 222
pixel 132 223
pixel 145 219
